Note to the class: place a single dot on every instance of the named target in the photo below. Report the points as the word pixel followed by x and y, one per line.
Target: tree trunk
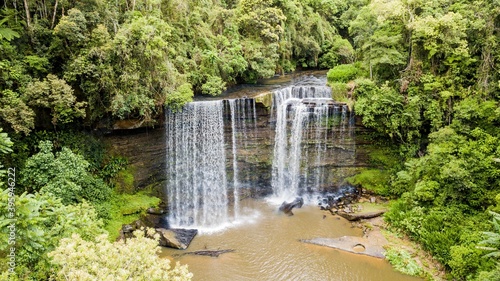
pixel 54 15
pixel 28 18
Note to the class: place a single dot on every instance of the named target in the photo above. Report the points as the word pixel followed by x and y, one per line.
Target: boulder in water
pixel 156 211
pixel 176 238
pixel 287 207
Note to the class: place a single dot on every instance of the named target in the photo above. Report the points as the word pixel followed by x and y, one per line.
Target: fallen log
pixel 210 253
pixel 358 216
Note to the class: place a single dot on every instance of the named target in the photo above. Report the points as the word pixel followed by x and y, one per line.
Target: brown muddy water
pixel 266 247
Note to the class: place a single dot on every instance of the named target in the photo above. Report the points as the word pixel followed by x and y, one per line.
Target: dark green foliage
pixel 127 60
pixel 432 90
pixel 390 113
pixel 79 142
pixel 63 174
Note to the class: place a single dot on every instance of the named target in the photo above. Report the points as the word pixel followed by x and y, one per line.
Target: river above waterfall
pixel 266 247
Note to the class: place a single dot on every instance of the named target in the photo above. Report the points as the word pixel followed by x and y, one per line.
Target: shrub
pixel 135 259
pixel 403 262
pixel 342 73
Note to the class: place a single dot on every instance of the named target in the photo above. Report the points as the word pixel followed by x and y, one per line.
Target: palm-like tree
pixel 492 241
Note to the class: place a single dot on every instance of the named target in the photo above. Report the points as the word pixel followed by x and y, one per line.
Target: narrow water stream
pixel 266 247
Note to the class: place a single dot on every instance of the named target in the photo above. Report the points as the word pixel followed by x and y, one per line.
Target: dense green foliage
pixel 427 78
pixel 424 74
pixel 65 61
pixel 40 222
pixel 65 175
pixel 65 197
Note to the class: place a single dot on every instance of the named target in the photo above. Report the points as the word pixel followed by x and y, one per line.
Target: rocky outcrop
pixel 156 211
pixel 352 244
pixel 287 207
pixel 176 238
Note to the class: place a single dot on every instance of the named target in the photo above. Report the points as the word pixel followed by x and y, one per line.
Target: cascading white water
pixel 197 184
pixel 232 108
pixel 200 193
pixel 196 170
pixel 301 133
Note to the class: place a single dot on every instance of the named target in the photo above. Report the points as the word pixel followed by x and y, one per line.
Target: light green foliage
pixel 7 33
pixel 145 74
pixel 63 174
pixel 134 259
pixel 449 189
pixel 41 220
pixel 181 96
pixel 378 37
pixel 125 60
pixel 491 243
pixel 403 262
pixel 443 34
pixel 214 86
pixel 339 91
pixel 58 97
pixel 5 143
pixel 342 73
pixel 5 148
pixel 493 275
pixel 465 259
pixel 375 180
pixel 125 208
pixel 259 19
pixel 339 51
pixel 72 28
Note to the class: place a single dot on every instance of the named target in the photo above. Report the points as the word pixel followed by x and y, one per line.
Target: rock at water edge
pixel 287 207
pixel 176 238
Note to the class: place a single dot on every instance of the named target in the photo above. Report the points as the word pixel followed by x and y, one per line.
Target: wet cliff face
pixel 145 150
pixel 343 152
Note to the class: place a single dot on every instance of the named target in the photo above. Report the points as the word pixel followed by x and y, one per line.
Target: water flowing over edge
pixel 198 190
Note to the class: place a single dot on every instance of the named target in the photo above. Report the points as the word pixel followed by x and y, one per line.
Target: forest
pixel 423 75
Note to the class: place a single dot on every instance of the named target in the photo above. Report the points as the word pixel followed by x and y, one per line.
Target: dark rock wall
pixel 145 149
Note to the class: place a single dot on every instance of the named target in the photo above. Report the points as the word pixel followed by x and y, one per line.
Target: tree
pixel 134 259
pixel 63 174
pixel 388 112
pixel 41 220
pixel 15 112
pixel 491 243
pixel 56 96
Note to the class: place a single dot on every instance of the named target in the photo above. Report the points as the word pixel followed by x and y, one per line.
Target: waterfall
pixel 196 171
pixel 197 183
pixel 232 108
pixel 303 115
pixel 212 150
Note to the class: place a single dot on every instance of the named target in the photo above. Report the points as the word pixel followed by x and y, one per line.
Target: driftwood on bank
pixel 359 216
pixel 210 253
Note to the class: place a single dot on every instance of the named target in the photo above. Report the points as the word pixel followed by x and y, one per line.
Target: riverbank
pixel 379 240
